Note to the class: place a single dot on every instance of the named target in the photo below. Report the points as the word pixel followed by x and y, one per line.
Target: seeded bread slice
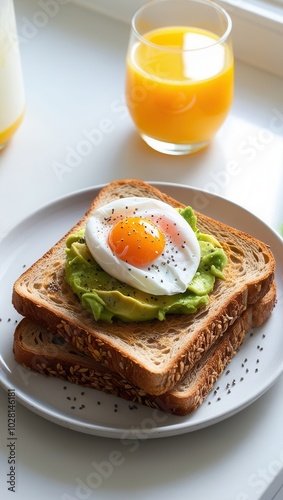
pixel 47 353
pixel 152 355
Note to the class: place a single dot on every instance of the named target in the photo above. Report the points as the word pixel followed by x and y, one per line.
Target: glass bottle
pixel 12 97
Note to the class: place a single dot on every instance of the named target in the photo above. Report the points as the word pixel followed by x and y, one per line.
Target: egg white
pixel 169 273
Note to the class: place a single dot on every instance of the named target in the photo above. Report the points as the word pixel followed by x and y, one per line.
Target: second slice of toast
pixel 47 353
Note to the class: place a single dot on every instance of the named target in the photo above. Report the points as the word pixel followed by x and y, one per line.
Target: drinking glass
pixel 179 73
pixel 12 98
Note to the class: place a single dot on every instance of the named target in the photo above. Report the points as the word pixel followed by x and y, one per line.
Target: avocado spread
pixel 108 298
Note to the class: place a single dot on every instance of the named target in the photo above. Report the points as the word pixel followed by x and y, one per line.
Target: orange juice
pixel 179 84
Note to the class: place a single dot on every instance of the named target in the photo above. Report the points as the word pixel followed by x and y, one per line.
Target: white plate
pixel 254 369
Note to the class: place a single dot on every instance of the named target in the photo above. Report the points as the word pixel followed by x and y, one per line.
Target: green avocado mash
pixel 108 298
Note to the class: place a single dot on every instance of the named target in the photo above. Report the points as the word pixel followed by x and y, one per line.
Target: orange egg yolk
pixel 136 240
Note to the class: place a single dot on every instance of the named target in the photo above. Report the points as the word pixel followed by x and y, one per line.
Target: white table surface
pixel 73 67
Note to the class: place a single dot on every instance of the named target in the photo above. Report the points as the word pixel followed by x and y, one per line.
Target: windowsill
pixel 260 11
pixel 257 28
pixel 257 33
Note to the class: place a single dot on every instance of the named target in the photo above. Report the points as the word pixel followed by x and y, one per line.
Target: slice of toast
pixel 47 353
pixel 152 355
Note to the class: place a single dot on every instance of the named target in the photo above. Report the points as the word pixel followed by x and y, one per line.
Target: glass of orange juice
pixel 12 98
pixel 179 73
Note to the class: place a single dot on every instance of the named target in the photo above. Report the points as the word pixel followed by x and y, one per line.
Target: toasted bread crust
pixel 152 355
pixel 40 350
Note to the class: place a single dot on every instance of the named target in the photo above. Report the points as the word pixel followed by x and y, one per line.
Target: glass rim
pixel 210 3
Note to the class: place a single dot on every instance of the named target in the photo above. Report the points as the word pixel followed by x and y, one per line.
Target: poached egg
pixel 145 243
